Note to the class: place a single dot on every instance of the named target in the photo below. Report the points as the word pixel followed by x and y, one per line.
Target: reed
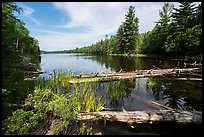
pixel 57 97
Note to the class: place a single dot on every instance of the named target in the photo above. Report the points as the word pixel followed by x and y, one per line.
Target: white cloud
pixel 105 17
pixel 53 40
pixel 99 18
pixel 27 12
pixel 148 14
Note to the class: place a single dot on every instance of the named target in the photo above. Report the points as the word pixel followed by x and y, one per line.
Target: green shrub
pixel 22 122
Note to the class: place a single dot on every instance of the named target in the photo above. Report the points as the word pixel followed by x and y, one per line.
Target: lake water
pixel 76 63
pixel 186 95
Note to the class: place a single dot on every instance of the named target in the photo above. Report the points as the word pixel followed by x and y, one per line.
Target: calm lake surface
pixel 131 94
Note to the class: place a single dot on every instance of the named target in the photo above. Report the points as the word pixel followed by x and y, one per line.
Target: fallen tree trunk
pixel 193 64
pixel 127 75
pixel 194 79
pixel 134 117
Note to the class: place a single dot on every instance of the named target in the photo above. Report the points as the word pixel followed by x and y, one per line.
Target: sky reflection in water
pixel 176 94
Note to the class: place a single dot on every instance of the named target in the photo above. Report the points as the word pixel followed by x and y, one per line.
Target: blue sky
pixel 67 25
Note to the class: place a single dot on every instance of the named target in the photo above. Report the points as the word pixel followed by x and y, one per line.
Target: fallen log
pixel 194 79
pixel 33 72
pixel 195 74
pixel 32 78
pixel 152 117
pixel 31 75
pixel 128 75
pixel 193 64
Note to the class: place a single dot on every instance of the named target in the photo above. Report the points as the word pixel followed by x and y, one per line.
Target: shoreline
pixel 186 57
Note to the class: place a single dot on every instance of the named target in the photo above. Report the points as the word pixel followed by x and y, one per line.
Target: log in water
pixel 153 116
pixel 136 74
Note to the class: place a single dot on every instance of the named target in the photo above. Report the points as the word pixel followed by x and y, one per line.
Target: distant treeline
pixel 177 32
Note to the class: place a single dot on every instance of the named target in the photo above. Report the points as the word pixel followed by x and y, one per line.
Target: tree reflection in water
pixel 118 91
pixel 177 94
pixel 15 86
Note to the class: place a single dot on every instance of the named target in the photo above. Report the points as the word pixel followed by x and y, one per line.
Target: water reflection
pixel 117 92
pixel 13 79
pixel 177 94
pixel 116 63
pixel 16 87
pixel 77 64
pixel 134 94
pixel 126 95
pixel 130 94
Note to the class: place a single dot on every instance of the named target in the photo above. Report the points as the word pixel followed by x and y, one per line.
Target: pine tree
pixel 198 16
pixel 137 35
pixel 183 36
pixel 163 26
pixel 157 37
pixel 119 40
pixel 130 29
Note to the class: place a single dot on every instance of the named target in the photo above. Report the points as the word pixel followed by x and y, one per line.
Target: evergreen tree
pixel 128 40
pixel 156 38
pixel 198 16
pixel 183 34
pixel 120 42
pixel 163 26
pixel 137 39
pixel 178 31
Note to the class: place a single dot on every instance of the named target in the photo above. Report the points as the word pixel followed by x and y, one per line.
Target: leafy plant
pixel 48 98
pixel 22 122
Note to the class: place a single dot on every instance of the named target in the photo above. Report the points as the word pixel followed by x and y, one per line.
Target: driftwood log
pixel 136 74
pixel 194 79
pixel 31 75
pixel 152 117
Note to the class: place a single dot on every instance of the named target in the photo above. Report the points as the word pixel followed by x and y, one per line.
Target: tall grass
pixel 56 96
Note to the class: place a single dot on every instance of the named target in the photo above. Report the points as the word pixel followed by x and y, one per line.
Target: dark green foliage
pixel 17 46
pixel 22 122
pixel 154 41
pixel 130 32
pixel 15 36
pixel 16 41
pixel 183 34
pixel 178 32
pixel 198 15
pixel 119 36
